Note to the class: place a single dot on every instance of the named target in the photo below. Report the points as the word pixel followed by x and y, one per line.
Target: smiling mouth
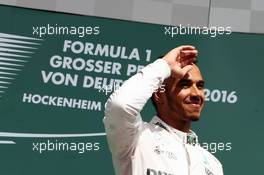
pixel 194 106
pixel 194 103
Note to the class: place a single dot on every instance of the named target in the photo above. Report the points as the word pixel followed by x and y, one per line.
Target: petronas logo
pixel 15 53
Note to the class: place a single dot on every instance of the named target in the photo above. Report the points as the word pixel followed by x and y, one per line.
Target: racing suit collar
pixel 186 138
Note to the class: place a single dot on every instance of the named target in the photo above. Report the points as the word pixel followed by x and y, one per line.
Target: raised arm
pixel 122 110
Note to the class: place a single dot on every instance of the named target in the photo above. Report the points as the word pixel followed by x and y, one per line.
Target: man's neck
pixel 176 123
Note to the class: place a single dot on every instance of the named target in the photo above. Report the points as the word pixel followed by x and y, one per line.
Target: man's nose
pixel 196 94
pixel 195 91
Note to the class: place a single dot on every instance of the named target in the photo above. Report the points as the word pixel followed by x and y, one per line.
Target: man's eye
pixel 200 85
pixel 185 85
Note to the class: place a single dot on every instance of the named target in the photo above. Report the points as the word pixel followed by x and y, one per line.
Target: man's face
pixel 185 98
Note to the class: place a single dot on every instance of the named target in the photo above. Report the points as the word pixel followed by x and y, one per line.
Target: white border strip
pixel 31 135
pixel 7 142
pixel 5 35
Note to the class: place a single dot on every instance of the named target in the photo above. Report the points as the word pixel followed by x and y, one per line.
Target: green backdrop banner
pixel 57 71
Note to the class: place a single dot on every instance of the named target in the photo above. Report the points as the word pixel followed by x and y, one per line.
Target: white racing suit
pixel 154 148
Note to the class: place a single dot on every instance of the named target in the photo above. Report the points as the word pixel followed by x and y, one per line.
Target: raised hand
pixel 180 60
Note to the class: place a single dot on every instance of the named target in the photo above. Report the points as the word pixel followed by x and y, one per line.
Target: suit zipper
pixel 188 159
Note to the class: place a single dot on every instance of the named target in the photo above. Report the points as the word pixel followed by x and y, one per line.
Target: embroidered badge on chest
pixel 164 153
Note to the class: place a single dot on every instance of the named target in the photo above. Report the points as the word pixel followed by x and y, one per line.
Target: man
pixel 166 145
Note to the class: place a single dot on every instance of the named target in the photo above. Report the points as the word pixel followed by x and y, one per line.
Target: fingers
pixel 188 54
pixel 183 51
pixel 180 57
pixel 187 62
pixel 187 57
pixel 186 69
pixel 179 73
pixel 185 47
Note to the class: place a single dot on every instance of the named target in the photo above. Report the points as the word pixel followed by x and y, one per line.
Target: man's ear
pixel 159 97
